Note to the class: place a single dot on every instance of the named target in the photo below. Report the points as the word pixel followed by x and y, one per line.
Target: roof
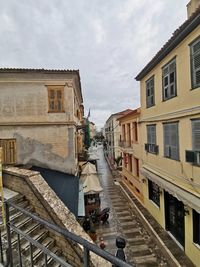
pixel 179 35
pixel 133 112
pixel 66 186
pixel 48 71
pixel 121 113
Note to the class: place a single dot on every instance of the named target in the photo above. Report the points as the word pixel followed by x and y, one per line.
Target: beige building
pixel 170 131
pixel 112 135
pixel 40 111
pixel 92 129
pixel 131 152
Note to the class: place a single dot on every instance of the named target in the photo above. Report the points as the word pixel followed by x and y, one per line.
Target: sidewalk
pixel 173 253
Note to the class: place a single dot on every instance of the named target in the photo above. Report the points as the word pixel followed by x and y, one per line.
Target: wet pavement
pixel 141 250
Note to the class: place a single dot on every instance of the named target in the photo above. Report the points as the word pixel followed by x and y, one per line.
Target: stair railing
pixel 87 246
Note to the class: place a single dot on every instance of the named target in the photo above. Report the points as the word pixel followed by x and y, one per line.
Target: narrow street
pixel 140 250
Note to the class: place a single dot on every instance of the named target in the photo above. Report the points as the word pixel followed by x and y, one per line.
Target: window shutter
pixel 150 92
pixel 196 134
pixel 195 63
pixel 174 141
pixel 166 140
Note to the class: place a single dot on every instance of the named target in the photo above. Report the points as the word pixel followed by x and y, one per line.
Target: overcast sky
pixel 109 41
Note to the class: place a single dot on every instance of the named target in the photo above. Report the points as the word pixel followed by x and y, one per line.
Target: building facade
pixel 131 152
pixel 40 111
pixel 170 132
pixel 112 135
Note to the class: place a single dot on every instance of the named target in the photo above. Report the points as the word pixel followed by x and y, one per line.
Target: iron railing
pixel 87 246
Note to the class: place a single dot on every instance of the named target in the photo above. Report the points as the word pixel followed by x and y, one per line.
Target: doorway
pixel 174 218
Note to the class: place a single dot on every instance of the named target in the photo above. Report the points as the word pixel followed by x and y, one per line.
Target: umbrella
pixel 91 184
pixel 88 168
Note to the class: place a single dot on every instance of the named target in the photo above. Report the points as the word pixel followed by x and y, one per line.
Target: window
pixel 151 139
pixel 9 150
pixel 193 156
pixel 171 141
pixel 150 92
pixel 154 192
pixel 136 170
pixel 196 227
pixel 135 133
pixel 56 98
pixel 195 63
pixel 169 80
pixel 130 163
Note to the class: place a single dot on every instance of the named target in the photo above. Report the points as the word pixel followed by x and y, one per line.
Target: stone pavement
pixel 130 220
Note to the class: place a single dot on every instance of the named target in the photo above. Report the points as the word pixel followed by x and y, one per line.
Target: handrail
pixel 88 246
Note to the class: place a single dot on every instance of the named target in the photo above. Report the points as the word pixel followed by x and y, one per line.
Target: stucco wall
pixel 45 146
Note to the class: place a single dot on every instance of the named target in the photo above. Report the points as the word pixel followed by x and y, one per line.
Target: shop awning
pixel 91 184
pixel 88 168
pixel 181 194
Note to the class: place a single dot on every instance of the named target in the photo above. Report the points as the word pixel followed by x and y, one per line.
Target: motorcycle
pixel 101 216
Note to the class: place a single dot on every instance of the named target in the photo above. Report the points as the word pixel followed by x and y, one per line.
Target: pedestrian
pixel 102 244
pixel 86 224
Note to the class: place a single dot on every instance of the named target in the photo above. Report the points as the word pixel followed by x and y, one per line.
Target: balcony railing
pixel 87 246
pixel 151 148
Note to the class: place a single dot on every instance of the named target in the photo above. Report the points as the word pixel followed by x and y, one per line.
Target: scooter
pixel 102 216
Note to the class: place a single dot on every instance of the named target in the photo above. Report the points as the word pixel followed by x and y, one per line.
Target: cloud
pixel 108 41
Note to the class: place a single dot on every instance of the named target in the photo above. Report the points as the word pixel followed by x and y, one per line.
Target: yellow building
pixel 170 131
pixel 130 149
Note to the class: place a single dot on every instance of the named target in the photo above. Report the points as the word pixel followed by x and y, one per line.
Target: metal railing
pixel 87 246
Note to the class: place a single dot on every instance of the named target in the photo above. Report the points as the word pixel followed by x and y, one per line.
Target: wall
pixel 49 207
pixel 48 146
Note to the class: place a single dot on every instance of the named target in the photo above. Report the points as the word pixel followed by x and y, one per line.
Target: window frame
pixel 152 95
pixel 55 100
pixel 168 74
pixel 154 192
pixel 169 147
pixel 194 85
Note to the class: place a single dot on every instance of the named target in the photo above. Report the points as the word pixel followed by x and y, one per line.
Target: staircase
pixel 35 230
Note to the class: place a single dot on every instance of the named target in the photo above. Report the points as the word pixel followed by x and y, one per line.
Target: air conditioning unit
pixel 192 156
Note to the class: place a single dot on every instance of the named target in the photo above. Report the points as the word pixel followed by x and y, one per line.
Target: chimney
pixel 192 6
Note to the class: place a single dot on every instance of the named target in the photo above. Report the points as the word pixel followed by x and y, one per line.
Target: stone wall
pixel 51 208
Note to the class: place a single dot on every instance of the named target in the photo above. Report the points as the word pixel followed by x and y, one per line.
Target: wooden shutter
pixel 151 134
pixel 171 141
pixel 196 134
pixel 150 92
pixel 174 141
pixel 9 150
pixel 195 63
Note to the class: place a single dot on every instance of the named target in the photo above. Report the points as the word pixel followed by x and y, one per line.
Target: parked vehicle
pixel 101 216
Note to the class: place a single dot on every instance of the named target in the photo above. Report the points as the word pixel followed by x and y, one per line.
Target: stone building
pixel 40 111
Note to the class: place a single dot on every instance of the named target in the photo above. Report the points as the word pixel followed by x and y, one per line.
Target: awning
pixel 91 184
pixel 181 194
pixel 88 168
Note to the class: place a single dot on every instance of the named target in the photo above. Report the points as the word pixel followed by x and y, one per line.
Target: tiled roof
pixel 132 112
pixel 179 34
pixel 49 71
pixel 38 70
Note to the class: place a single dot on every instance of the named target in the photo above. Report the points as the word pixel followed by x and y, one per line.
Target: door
pixel 174 217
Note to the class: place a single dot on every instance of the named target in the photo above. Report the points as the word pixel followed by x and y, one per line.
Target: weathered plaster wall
pixel 48 146
pixel 28 102
pixel 49 207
